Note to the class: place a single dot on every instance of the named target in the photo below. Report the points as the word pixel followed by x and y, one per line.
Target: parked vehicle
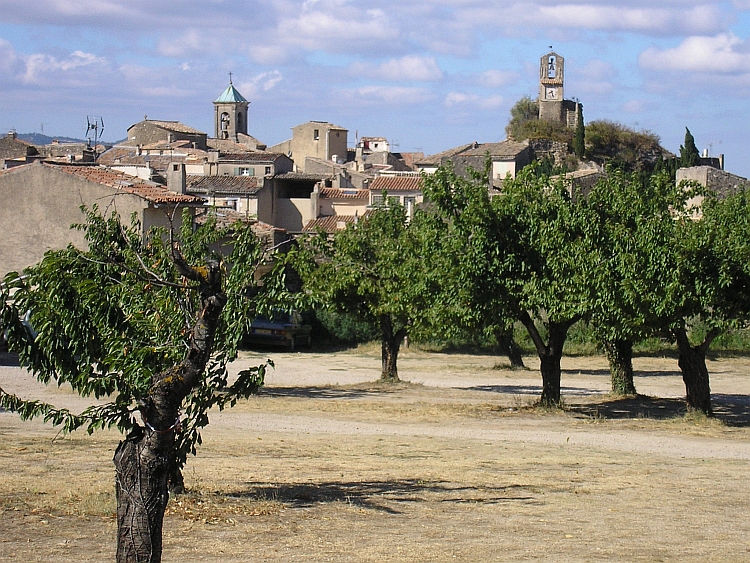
pixel 282 329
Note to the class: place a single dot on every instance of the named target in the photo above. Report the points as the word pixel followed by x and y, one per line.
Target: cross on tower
pixel 230 77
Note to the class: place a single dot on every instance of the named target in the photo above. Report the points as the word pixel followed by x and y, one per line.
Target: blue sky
pixel 428 75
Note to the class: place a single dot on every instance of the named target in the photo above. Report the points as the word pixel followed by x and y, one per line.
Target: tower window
pixel 316 135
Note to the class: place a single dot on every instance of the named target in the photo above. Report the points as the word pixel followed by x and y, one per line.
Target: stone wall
pixel 541 148
pixel 719 181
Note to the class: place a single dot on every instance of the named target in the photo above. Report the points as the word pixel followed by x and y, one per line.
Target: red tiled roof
pixel 331 193
pixel 103 176
pixel 396 183
pixel 252 156
pixel 333 223
pixel 175 126
pixel 223 184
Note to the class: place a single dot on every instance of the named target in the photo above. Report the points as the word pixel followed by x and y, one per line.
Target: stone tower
pixel 551 68
pixel 230 114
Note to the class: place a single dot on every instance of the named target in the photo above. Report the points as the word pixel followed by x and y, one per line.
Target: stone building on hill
pixel 552 103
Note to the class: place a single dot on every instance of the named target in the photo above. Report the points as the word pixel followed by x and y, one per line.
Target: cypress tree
pixel 689 155
pixel 579 140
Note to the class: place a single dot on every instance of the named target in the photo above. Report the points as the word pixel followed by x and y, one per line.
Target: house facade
pixel 40 201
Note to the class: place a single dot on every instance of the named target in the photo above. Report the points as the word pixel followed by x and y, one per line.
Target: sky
pixel 427 75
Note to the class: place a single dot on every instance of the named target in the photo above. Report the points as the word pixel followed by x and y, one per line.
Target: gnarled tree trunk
pixel 509 347
pixel 619 354
pixel 390 344
pixel 143 460
pixel 692 362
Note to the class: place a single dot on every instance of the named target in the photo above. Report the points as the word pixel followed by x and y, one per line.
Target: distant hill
pixel 39 139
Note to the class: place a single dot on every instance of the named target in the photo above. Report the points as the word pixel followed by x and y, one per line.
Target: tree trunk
pixel 550 368
pixel 692 362
pixel 390 343
pixel 144 460
pixel 620 357
pixel 509 347
pixel 549 356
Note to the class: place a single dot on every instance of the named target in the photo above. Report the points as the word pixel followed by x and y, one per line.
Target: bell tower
pixel 551 68
pixel 230 114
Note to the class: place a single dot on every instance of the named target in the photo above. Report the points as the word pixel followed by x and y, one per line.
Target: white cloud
pixel 497 78
pixel 333 31
pixel 398 95
pixel 634 106
pixel 42 68
pixel 410 69
pixel 465 99
pixel 260 83
pixel 618 18
pixel 724 53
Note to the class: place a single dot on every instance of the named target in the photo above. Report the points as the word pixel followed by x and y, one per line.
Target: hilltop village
pixel 315 180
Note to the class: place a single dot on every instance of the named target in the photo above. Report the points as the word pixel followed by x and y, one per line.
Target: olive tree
pixel 148 324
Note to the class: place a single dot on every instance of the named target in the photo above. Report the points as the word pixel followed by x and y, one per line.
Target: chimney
pixel 176 180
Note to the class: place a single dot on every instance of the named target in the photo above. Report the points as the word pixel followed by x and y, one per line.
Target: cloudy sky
pixel 426 74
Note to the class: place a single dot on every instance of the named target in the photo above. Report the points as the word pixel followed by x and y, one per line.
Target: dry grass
pixel 369 472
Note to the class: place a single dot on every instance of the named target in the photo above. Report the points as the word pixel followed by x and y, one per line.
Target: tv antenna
pixel 94 130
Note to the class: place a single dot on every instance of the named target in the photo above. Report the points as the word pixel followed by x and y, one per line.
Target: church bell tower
pixel 551 68
pixel 230 114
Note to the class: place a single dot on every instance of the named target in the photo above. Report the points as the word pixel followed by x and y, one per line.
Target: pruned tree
pixel 472 286
pixel 634 268
pixel 373 269
pixel 525 256
pixel 150 323
pixel 551 284
pixel 712 253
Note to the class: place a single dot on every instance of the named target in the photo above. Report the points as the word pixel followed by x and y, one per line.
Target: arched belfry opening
pixel 230 114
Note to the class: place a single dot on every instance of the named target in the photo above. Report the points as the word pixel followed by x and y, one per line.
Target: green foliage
pixel 523 111
pixel 111 317
pixel 634 263
pixel 373 270
pixel 346 327
pixel 620 146
pixel 689 155
pixel 579 138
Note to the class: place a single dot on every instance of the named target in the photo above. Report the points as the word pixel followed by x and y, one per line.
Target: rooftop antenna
pixel 94 130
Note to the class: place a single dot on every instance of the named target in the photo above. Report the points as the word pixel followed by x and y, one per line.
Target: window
pixel 245 172
pixel 377 199
pixel 316 134
pixel 268 171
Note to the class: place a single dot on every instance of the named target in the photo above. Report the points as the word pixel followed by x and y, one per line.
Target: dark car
pixel 282 329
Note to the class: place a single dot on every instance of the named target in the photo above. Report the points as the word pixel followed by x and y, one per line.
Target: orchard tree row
pixel 634 257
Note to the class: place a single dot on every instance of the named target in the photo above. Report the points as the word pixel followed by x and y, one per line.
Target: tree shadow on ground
pixel 383 496
pixel 531 390
pixel 336 392
pixel 732 410
pixel 606 373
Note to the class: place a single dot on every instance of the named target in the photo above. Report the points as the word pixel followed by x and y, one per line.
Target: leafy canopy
pixel 108 318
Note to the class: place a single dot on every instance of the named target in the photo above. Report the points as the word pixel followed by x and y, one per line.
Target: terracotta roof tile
pixel 396 183
pixel 149 191
pixel 246 185
pixel 506 149
pixel 176 126
pixel 331 193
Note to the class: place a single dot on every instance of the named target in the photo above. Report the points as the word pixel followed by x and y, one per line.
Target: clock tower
pixel 551 67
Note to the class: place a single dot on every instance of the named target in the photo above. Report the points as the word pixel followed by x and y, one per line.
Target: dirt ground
pixel 455 465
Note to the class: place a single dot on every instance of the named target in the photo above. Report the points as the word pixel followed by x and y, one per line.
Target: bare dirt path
pixel 325 465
